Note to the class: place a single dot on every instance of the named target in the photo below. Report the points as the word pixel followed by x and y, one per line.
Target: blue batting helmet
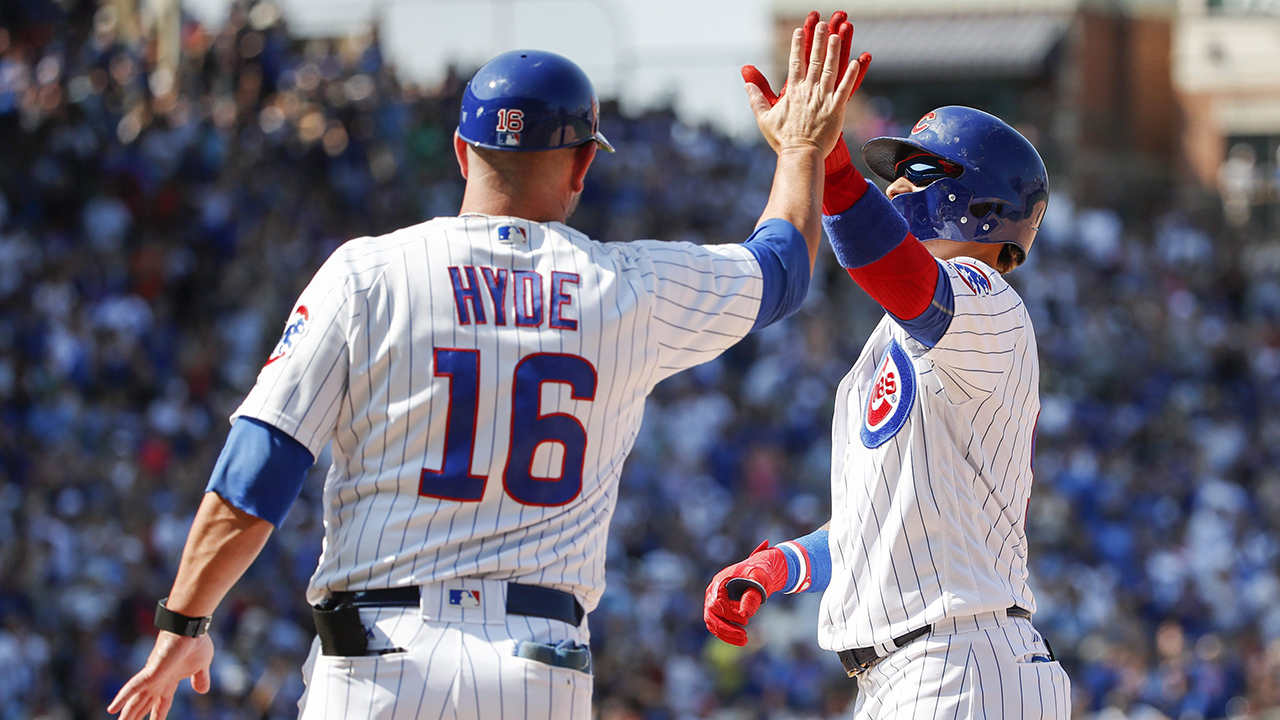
pixel 994 187
pixel 530 100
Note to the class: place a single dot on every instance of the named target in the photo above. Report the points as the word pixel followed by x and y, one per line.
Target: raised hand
pixel 751 74
pixel 810 113
pixel 802 123
pixel 838 25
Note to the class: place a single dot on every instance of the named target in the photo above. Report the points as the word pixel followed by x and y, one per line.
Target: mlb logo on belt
pixel 464 598
pixel 890 397
pixel 512 234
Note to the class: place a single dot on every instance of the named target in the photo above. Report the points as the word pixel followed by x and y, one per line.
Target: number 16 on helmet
pixel 528 100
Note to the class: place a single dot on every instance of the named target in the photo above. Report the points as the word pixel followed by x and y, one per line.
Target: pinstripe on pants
pixel 449 671
pixel 967 669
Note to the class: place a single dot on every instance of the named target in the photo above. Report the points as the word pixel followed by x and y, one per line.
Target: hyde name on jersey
pixel 482 380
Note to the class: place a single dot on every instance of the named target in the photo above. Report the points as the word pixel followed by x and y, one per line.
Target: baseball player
pixel 923 565
pixel 481 379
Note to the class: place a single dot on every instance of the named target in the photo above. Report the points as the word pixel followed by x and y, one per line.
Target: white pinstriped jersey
pixel 482 380
pixel 931 469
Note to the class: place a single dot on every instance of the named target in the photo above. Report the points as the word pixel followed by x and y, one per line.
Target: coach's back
pixel 484 379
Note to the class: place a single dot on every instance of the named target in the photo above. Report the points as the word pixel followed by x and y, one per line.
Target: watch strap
pixel 180 624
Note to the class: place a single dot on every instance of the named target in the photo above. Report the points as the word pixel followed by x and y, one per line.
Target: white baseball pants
pixel 984 667
pixel 450 663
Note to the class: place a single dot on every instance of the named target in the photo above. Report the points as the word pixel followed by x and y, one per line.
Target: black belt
pixel 531 600
pixel 859 660
pixel 343 635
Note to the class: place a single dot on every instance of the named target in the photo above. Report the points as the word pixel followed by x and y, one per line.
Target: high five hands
pixel 824 85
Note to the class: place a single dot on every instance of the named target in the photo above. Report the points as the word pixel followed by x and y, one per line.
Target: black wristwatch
pixel 180 624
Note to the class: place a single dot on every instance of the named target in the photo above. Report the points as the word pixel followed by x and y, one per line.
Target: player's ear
pixel 583 155
pixel 460 150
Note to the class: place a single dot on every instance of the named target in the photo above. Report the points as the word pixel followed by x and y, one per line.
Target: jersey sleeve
pixel 987 324
pixel 300 388
pixel 705 298
pixel 260 470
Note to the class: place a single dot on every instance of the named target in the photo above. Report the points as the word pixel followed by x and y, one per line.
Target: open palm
pixel 810 114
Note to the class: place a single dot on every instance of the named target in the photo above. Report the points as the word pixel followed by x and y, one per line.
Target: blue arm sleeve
pixel 814 563
pixel 783 256
pixel 260 470
pixel 866 232
pixel 929 326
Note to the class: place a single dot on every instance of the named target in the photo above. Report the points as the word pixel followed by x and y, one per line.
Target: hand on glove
pixel 839 25
pixel 736 592
pixel 844 185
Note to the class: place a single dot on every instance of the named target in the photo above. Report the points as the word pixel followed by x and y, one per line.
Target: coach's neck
pixel 541 186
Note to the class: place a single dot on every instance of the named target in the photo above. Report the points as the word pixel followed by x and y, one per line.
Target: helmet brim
pixel 883 154
pixel 598 138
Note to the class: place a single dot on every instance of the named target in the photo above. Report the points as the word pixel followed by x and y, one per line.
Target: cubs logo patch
pixel 890 398
pixel 512 234
pixel 464 598
pixel 297 326
pixel 923 124
pixel 973 276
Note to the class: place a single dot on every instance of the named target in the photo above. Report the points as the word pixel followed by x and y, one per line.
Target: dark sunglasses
pixel 922 169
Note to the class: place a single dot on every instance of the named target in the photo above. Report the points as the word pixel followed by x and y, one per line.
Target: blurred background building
pixel 1139 100
pixel 171 177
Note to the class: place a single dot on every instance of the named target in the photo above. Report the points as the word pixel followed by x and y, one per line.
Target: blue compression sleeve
pixel 783 256
pixel 808 563
pixel 866 232
pixel 260 470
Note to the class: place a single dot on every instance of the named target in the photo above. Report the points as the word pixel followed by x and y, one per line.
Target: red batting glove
pixel 736 592
pixel 843 184
pixel 839 25
pixel 751 74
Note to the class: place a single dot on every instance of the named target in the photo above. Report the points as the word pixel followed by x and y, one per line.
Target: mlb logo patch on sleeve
pixel 464 598
pixel 299 321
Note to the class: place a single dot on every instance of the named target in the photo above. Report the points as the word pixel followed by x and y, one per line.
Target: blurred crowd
pixel 157 222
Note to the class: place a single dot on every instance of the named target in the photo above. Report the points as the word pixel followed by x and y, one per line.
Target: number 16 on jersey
pixel 530 428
